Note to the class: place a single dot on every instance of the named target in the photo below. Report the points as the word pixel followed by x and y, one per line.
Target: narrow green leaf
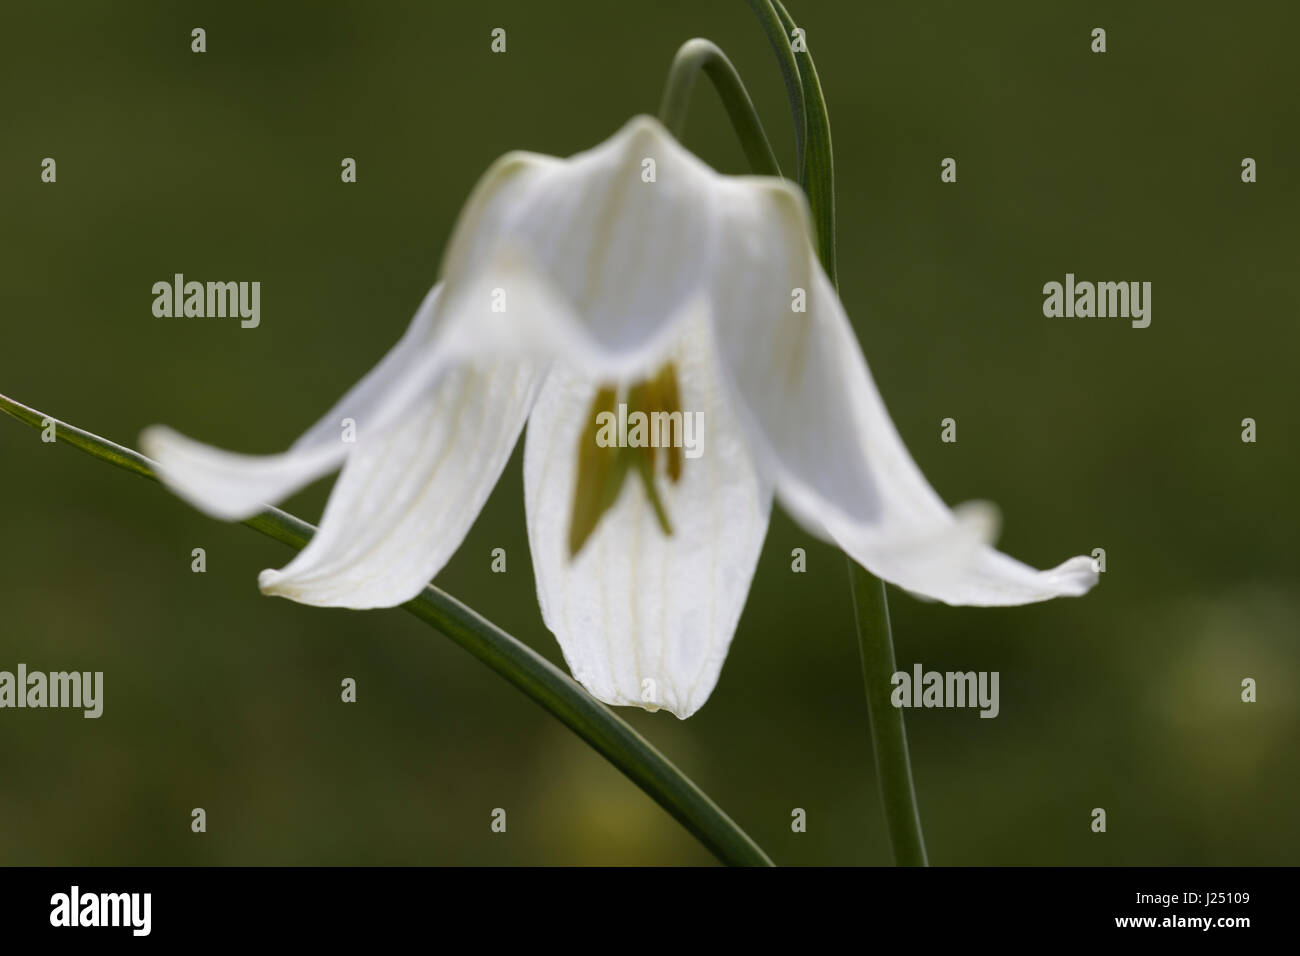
pixel 817 172
pixel 519 664
pixel 779 40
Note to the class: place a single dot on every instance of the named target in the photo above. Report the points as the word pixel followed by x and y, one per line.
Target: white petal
pixel 409 492
pixel 510 309
pixel 777 358
pixel 820 427
pixel 233 486
pixel 636 605
pixel 625 256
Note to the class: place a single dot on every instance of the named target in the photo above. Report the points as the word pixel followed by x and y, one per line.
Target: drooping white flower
pixel 571 279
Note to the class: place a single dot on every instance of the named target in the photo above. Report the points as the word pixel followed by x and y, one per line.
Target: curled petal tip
pixel 268 581
pixel 1075 577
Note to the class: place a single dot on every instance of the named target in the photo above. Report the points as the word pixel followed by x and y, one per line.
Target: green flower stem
pixel 523 667
pixel 870 604
pixel 889 736
pixel 703 55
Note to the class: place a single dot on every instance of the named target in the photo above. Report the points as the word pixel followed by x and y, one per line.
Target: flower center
pixel 623 436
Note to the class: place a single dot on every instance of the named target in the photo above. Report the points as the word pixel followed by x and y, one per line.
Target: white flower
pixel 568 276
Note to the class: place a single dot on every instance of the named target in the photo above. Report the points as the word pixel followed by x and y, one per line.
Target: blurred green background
pixel 1122 166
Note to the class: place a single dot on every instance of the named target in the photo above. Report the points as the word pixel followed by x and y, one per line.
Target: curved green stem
pixel 870 603
pixel 523 667
pixel 694 57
